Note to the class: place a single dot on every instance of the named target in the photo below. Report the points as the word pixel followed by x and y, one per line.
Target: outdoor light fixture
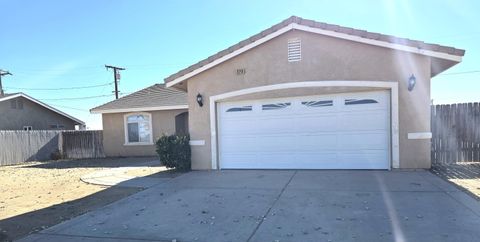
pixel 200 100
pixel 411 82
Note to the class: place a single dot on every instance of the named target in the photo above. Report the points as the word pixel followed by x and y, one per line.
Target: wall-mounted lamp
pixel 411 82
pixel 200 100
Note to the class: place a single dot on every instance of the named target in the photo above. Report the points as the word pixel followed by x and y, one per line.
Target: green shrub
pixel 174 151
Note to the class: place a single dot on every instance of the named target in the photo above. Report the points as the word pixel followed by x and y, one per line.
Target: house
pixel 19 111
pixel 133 122
pixel 299 95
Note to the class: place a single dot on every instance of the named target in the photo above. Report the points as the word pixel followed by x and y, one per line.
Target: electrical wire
pixel 61 106
pixel 59 88
pixel 75 98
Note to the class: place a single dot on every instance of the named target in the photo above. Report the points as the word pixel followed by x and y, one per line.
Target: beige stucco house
pixel 299 95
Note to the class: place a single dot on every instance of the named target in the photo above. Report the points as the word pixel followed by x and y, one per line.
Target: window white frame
pixel 125 128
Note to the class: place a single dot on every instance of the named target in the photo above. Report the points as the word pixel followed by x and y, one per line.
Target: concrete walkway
pixel 122 176
pixel 264 206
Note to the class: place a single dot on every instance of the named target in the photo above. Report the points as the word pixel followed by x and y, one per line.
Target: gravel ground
pixel 37 195
pixel 465 175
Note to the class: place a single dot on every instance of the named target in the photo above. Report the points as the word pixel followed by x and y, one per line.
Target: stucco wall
pixel 33 115
pixel 323 58
pixel 163 122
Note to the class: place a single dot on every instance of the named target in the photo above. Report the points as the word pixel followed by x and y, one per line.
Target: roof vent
pixel 294 50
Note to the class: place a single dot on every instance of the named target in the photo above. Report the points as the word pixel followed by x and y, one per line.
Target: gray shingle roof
pixel 151 97
pixel 324 26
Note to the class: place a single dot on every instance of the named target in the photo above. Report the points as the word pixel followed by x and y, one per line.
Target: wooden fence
pixel 456 133
pixel 81 144
pixel 38 145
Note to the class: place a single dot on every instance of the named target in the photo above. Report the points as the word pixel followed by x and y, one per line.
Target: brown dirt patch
pixel 37 195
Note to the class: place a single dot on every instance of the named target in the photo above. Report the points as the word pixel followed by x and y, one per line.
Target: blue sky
pixel 58 44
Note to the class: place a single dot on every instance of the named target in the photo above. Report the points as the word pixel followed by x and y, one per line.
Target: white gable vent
pixel 294 50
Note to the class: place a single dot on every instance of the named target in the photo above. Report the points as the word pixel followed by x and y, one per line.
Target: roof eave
pixel 139 109
pixel 331 33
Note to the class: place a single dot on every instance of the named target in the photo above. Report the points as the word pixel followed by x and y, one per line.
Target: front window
pixel 138 128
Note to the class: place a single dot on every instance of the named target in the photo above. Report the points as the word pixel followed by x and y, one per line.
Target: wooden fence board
pixel 38 145
pixel 455 133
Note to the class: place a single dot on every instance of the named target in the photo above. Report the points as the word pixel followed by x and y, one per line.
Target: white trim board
pixel 330 33
pixel 419 135
pixel 392 86
pixel 144 109
pixel 43 105
pixel 199 142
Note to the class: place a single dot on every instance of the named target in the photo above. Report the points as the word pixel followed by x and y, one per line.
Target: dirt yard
pixel 37 195
pixel 465 175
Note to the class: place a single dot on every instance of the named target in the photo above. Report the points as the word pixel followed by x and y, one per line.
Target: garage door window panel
pixel 317 104
pixel 275 106
pixel 240 109
pixel 359 101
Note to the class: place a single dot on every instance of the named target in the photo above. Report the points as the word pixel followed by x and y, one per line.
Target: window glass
pixel 133 132
pixel 13 104
pixel 144 132
pixel 138 128
pixel 275 106
pixel 359 101
pixel 240 109
pixel 316 104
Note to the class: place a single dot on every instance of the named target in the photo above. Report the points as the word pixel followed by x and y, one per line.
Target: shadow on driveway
pixel 16 227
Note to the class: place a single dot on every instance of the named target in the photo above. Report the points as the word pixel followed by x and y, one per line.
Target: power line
pixel 61 106
pixel 60 88
pixel 75 98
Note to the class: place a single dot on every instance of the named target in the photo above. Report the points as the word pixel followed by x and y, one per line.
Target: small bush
pixel 174 151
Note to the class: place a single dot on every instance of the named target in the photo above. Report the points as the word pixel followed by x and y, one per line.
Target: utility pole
pixel 3 73
pixel 116 77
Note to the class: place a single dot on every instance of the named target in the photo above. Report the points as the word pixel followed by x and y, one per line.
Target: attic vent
pixel 294 50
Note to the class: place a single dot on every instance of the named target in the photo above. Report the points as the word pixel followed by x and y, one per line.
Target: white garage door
pixel 342 131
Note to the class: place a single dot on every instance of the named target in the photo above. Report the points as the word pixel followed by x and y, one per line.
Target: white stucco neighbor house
pixel 299 95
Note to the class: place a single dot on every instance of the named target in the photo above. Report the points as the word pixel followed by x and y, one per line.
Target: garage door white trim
pixel 393 86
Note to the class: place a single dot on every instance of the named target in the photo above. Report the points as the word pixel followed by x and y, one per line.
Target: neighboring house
pixel 19 111
pixel 132 123
pixel 299 95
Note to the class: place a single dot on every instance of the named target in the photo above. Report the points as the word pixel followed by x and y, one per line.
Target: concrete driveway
pixel 282 206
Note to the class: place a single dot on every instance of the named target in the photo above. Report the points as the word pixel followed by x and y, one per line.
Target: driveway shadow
pixel 19 226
